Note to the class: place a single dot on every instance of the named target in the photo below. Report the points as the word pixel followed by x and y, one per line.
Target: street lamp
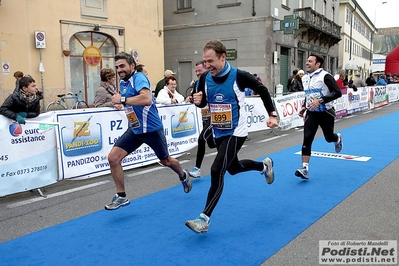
pixel 374 31
pixel 375 12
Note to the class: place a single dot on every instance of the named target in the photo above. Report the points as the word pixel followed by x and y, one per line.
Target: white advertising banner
pixel 358 100
pixel 28 157
pixel 393 92
pixel 378 96
pixel 341 104
pixel 288 107
pixel 86 136
pixel 256 114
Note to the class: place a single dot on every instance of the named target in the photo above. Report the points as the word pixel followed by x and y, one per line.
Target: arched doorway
pixel 85 79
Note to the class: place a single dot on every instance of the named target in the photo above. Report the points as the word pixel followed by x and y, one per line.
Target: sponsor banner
pixel 288 107
pixel 393 92
pixel 378 96
pixel 341 104
pixel 359 252
pixel 85 137
pixel 28 155
pixel 256 114
pixel 357 100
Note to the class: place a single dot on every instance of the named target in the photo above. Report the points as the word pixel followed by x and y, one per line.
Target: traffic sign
pixel 40 39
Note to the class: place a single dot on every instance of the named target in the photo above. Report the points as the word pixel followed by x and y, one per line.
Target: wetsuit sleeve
pixel 335 91
pixel 200 86
pixel 247 80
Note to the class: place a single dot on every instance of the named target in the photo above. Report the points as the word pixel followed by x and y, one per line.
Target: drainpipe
pixel 350 47
pixel 253 8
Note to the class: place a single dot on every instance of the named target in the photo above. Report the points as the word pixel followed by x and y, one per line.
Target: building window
pixel 183 4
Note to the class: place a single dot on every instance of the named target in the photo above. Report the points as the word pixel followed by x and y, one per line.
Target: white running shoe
pixel 268 173
pixel 339 145
pixel 195 173
pixel 200 224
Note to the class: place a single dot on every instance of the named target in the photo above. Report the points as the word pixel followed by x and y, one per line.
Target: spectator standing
pixel 142 68
pixel 381 81
pixel 17 75
pixel 297 81
pixel 23 103
pixel 145 126
pixel 370 81
pixel 358 82
pixel 395 78
pixel 341 79
pixel 289 82
pixel 107 88
pixel 351 85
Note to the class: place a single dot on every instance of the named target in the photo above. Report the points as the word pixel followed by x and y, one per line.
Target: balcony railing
pixel 308 18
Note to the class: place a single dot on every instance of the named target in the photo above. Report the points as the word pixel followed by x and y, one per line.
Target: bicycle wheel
pixel 55 106
pixel 81 105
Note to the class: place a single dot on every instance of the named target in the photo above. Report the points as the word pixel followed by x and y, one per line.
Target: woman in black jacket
pixel 23 102
pixel 297 82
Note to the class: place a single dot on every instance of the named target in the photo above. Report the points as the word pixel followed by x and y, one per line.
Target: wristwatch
pixel 321 100
pixel 274 114
pixel 123 99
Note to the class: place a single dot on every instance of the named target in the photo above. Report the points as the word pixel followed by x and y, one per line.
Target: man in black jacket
pixel 23 102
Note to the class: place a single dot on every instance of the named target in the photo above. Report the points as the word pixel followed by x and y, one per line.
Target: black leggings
pixel 312 121
pixel 226 160
pixel 206 136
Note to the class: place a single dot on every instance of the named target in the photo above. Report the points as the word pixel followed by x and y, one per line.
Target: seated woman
pixel 23 102
pixel 107 88
pixel 168 95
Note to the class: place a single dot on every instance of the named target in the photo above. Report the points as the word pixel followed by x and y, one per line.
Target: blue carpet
pixel 252 221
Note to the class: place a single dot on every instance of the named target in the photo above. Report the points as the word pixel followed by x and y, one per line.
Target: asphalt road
pixel 371 212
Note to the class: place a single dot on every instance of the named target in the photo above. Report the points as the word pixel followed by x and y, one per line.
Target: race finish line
pixel 338 156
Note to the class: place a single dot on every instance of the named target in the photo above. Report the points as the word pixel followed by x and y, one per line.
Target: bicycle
pixel 67 101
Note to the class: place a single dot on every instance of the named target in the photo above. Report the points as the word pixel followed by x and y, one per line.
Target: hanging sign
pixel 92 56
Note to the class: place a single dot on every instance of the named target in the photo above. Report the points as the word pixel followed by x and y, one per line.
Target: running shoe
pixel 195 173
pixel 268 173
pixel 339 144
pixel 302 173
pixel 186 182
pixel 200 224
pixel 117 202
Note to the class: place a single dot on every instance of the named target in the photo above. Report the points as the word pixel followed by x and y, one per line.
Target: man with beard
pixel 145 126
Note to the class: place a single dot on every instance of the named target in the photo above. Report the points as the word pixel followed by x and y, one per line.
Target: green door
pixel 284 68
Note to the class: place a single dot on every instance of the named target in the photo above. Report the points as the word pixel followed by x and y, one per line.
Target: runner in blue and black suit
pixel 223 89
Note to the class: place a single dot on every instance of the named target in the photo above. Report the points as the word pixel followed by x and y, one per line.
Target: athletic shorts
pixel 155 139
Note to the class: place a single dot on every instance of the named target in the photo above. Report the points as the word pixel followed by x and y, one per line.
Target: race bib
pixel 221 116
pixel 132 117
pixel 205 113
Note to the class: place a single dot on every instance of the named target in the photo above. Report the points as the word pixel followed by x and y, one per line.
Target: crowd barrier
pixel 36 154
